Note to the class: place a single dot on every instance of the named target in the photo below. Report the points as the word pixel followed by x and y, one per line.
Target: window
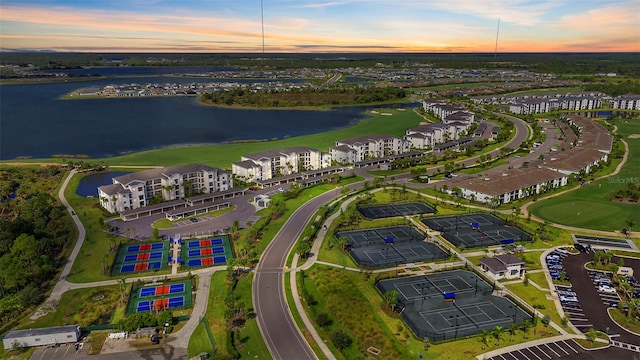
pixel 69 336
pixel 38 339
pixel 141 197
pixel 140 188
pixel 514 272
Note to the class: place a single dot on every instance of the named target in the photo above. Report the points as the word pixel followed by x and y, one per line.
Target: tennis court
pixel 160 296
pixel 142 257
pixel 144 247
pixel 126 268
pixel 132 258
pixel 451 304
pixel 476 230
pixel 380 247
pixel 206 252
pixel 161 290
pixel 393 210
pixel 160 304
pixel 204 243
pixel 207 261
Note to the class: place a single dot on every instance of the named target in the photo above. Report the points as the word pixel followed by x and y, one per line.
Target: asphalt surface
pixel 592 305
pixel 566 350
pixel 277 326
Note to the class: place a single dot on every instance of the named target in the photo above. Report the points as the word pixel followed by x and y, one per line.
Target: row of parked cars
pixel 554 264
pixel 602 282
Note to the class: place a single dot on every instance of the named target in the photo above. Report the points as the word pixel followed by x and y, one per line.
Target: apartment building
pixel 368 147
pixel 273 163
pixel 136 190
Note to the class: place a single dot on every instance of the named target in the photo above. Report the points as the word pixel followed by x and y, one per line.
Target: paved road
pixel 279 330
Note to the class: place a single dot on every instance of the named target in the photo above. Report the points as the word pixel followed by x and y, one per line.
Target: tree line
pixel 35 230
pixel 304 97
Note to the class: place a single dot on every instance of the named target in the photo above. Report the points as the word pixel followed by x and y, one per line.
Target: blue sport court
pixel 142 257
pixel 204 243
pixel 140 266
pixel 162 290
pixel 167 303
pixel 144 247
pixel 208 261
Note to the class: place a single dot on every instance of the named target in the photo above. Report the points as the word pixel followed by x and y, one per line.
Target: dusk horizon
pixel 348 26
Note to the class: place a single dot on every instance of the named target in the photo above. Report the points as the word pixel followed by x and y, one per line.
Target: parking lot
pixel 591 308
pixel 565 349
pixel 67 351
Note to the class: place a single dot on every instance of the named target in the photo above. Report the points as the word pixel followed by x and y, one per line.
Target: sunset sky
pixel 320 26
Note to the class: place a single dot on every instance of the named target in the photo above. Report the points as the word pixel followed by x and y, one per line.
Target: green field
pixel 590 206
pixel 222 155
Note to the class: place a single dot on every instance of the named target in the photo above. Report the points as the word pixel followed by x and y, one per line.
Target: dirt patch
pixel 623 200
pixel 634 136
pixel 129 344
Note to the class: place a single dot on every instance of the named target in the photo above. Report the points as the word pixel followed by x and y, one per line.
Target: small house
pixel 503 267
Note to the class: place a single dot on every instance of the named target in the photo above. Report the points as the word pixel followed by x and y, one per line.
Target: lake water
pixel 88 185
pixel 35 122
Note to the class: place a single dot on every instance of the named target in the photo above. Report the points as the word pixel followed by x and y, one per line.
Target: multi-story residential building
pixel 428 136
pixel 626 102
pixel 512 185
pixel 580 103
pixel 370 147
pixel 137 189
pixel 269 164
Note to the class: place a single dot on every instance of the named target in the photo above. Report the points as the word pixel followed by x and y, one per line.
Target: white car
pixel 564 298
pixel 606 289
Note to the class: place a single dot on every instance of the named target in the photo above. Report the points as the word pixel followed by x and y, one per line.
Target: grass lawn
pixel 252 343
pixel 590 206
pixel 222 155
pixel 81 306
pixel 539 278
pixel 535 297
pixel 199 342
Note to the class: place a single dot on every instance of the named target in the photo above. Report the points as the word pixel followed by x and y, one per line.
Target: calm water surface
pixel 35 122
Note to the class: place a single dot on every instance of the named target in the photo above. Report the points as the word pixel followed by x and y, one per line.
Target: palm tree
pixel 497 333
pixel 513 328
pixel 484 337
pixel 525 326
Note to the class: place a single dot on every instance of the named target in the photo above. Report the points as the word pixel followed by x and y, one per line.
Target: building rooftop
pixel 272 153
pixel 510 180
pixel 42 331
pixel 113 189
pixel 160 172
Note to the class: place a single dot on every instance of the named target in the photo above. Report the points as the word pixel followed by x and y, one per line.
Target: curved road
pixel 279 330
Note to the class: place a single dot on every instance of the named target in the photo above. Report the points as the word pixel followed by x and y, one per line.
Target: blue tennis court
pixel 143 256
pixel 207 261
pixel 161 290
pixel 148 305
pixel 140 266
pixel 204 243
pixel 145 247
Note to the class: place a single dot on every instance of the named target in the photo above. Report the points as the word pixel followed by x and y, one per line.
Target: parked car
pixel 193 220
pixel 564 298
pixel 580 248
pixel 607 289
pixel 562 251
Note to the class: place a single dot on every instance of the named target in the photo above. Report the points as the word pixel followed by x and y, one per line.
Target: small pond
pixel 89 184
